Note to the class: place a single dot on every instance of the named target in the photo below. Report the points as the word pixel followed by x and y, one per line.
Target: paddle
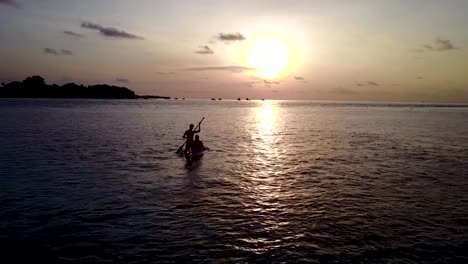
pixel 180 148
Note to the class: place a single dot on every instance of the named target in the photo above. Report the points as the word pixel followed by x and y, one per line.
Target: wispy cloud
pixel 51 51
pixel 56 52
pixel 12 3
pixel 419 78
pixel 341 90
pixel 66 52
pixel 122 80
pixel 372 83
pixel 440 45
pixel 230 37
pixel 204 50
pixel 110 31
pixel 266 82
pixel 360 84
pixel 164 73
pixel 299 78
pixel 73 34
pixel 221 68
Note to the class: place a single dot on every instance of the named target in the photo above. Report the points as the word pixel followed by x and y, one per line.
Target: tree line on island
pixel 35 87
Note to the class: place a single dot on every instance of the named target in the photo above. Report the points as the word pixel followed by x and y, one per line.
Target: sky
pixel 357 50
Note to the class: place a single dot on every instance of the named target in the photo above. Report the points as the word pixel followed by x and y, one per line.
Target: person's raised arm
pixel 199 129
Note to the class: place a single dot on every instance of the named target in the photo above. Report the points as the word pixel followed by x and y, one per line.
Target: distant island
pixel 35 87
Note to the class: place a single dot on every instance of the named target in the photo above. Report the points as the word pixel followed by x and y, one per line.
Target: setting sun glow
pixel 271 57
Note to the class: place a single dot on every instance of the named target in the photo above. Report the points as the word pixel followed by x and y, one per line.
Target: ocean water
pixel 98 181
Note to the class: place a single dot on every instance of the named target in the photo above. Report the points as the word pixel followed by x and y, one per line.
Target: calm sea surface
pixel 95 181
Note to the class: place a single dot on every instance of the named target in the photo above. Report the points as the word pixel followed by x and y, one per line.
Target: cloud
pixel 266 82
pixel 369 83
pixel 419 78
pixel 341 90
pixel 428 47
pixel 66 52
pixel 122 80
pixel 204 50
pixel 110 31
pixel 221 68
pixel 230 37
pixel 73 34
pixel 164 73
pixel 299 78
pixel 51 51
pixel 12 3
pixel 440 45
pixel 55 52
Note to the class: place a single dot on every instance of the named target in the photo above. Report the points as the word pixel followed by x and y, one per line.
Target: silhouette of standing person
pixel 189 136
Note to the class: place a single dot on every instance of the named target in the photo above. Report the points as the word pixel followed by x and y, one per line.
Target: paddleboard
pixel 191 156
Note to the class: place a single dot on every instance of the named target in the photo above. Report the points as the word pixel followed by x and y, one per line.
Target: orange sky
pixel 319 50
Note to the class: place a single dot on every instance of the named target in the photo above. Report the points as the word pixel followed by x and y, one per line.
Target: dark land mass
pixel 35 87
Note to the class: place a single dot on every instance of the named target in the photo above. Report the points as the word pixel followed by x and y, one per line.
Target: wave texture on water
pixel 85 181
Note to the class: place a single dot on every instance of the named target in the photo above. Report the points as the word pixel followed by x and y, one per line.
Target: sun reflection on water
pixel 265 185
pixel 266 120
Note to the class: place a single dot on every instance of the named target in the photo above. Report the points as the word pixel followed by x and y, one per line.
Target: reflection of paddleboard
pixel 192 156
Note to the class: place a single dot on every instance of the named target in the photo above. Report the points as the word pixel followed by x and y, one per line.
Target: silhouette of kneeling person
pixel 197 145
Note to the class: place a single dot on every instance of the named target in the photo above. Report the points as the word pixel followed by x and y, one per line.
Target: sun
pixel 271 57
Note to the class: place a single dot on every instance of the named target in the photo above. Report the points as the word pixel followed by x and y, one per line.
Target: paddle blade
pixel 180 149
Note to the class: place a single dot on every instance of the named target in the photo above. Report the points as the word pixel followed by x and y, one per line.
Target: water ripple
pixel 92 181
